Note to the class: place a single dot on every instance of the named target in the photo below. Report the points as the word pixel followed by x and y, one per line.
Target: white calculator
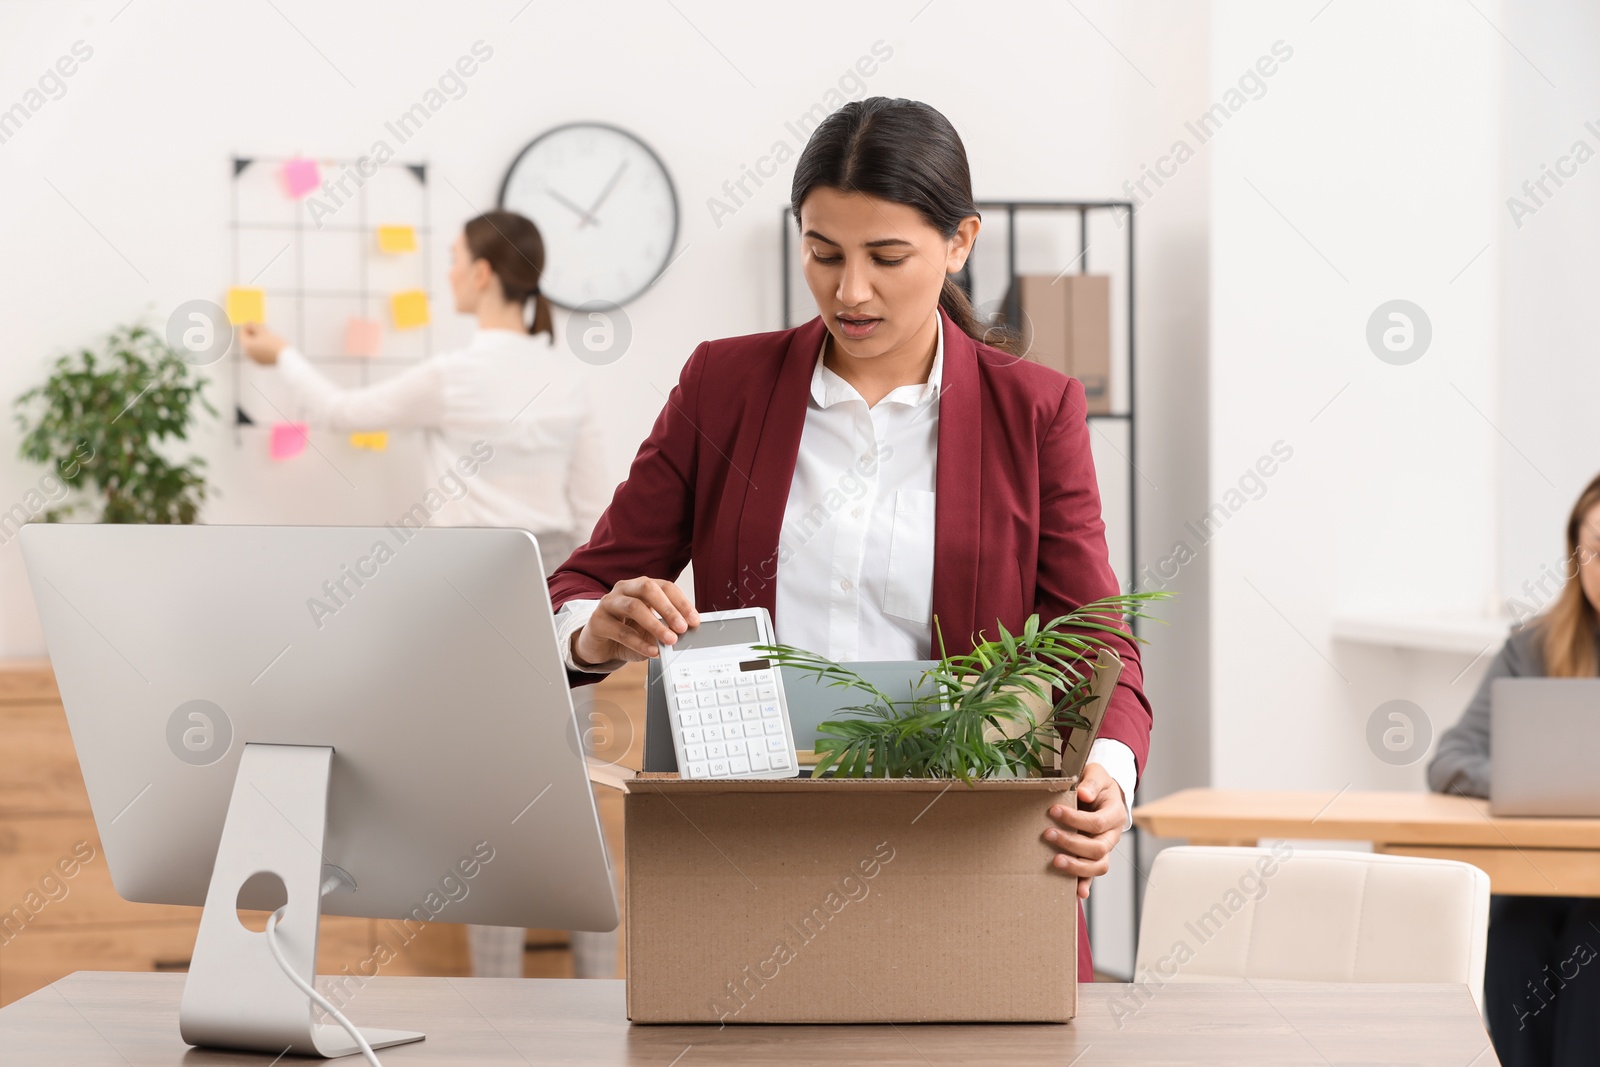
pixel 726 703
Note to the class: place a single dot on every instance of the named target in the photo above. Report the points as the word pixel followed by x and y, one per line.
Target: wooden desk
pixel 92 1018
pixel 1529 856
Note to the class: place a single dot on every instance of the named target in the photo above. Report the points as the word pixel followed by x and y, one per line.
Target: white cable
pixel 306 988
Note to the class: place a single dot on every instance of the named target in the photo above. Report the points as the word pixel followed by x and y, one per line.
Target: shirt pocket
pixel 908 592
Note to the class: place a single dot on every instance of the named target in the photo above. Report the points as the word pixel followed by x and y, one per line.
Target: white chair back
pixel 1212 914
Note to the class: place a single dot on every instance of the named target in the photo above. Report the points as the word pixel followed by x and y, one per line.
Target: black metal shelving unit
pixel 1012 209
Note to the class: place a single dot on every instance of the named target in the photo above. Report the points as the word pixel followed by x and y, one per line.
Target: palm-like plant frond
pixel 944 731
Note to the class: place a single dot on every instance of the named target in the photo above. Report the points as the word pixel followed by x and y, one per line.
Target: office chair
pixel 1213 914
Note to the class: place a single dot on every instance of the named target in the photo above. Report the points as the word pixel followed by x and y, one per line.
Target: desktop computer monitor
pixel 338 720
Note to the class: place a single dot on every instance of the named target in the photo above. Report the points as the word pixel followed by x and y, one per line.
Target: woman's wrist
pixel 577 657
pixel 590 666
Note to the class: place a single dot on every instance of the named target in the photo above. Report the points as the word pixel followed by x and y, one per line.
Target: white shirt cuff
pixel 1117 759
pixel 569 620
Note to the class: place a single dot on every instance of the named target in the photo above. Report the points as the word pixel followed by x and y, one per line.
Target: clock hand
pixel 584 217
pixel 610 185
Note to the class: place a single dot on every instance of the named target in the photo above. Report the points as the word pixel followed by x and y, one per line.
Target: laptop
pixel 811 702
pixel 1544 738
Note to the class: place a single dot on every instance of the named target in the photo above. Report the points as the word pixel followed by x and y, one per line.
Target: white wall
pixel 116 200
pixel 1368 172
pixel 1549 377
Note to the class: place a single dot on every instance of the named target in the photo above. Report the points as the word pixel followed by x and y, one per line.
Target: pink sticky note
pixel 288 439
pixel 363 337
pixel 301 176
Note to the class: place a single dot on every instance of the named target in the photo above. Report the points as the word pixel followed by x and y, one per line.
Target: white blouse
pixel 855 553
pixel 517 397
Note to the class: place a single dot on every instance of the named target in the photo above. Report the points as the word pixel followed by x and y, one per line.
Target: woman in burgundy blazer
pixel 1017 522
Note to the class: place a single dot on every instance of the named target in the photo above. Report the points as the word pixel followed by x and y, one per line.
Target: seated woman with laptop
pixel 1541 977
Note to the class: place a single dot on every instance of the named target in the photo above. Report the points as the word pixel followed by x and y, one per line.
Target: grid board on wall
pixel 317 260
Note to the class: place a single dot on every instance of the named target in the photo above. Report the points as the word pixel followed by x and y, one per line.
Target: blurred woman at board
pixel 512 405
pixel 1541 984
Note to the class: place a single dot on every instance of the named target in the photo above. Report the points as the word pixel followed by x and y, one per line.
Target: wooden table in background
pixel 1522 855
pixel 92 1019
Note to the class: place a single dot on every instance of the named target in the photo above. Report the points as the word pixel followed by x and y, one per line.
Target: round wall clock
pixel 605 206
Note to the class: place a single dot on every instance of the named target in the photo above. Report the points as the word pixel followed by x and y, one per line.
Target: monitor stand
pixel 236 995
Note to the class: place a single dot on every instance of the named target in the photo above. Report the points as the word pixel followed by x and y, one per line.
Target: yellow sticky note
pixel 376 441
pixel 397 239
pixel 409 308
pixel 247 305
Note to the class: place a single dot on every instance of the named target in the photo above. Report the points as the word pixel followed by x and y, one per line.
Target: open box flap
pixel 609 774
pixel 1075 753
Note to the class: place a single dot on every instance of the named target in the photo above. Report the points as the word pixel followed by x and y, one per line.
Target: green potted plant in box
pixel 99 420
pixel 997 711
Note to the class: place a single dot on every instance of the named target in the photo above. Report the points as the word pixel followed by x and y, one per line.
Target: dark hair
pixel 511 245
pixel 905 152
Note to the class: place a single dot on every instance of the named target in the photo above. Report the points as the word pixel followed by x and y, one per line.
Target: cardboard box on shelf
pixel 852 900
pixel 1065 323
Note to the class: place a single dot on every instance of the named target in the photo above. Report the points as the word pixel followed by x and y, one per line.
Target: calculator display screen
pixel 713 632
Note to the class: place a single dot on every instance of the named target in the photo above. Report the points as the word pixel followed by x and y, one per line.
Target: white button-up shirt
pixel 855 553
pixel 517 403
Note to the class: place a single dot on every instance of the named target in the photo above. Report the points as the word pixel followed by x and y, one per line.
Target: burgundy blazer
pixel 1017 524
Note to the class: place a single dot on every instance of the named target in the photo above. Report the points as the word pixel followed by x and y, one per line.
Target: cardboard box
pixel 851 900
pixel 1065 323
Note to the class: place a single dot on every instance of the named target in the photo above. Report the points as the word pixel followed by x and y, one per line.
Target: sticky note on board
pixel 397 240
pixel 288 439
pixel 376 441
pixel 300 176
pixel 362 337
pixel 409 309
pixel 247 305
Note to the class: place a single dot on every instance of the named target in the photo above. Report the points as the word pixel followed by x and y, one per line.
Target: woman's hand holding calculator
pixel 632 619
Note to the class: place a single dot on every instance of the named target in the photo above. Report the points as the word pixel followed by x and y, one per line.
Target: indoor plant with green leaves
pixel 971 715
pixel 100 419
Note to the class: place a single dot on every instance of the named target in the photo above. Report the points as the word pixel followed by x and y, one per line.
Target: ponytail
pixel 536 314
pixel 958 309
pixel 512 246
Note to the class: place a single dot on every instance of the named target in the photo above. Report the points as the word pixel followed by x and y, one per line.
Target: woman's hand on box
pixel 1087 834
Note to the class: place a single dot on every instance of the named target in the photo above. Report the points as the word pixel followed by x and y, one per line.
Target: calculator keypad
pixel 729 723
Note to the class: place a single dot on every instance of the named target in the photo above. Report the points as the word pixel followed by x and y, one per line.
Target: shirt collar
pixel 828 389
